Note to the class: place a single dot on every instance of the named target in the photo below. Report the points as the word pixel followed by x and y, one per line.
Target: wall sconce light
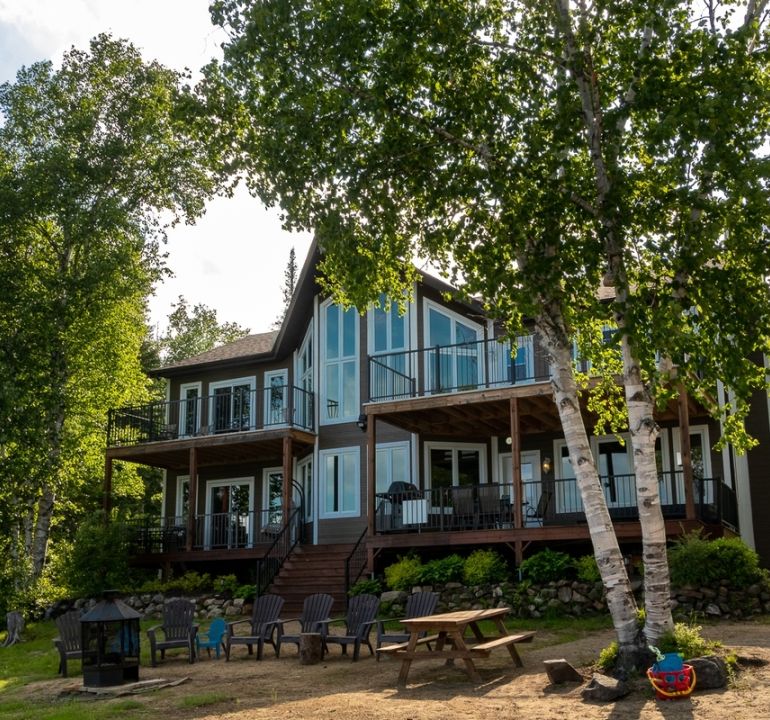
pixel 508 440
pixel 546 465
pixel 361 422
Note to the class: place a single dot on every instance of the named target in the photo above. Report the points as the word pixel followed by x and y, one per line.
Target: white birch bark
pixel 620 598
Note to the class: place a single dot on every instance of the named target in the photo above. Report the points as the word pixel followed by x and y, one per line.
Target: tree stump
pixel 15 628
pixel 311 648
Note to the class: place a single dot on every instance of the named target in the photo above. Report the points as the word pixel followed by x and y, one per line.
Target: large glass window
pixel 340 482
pixel 229 509
pixel 189 409
pixel 455 465
pixel 232 405
pixel 390 374
pixel 276 397
pixel 392 465
pixel 340 364
pixel 272 497
pixel 453 363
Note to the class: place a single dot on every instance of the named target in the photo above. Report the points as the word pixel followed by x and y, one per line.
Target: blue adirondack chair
pixel 213 638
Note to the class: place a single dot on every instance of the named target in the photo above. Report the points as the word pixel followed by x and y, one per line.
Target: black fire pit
pixel 110 634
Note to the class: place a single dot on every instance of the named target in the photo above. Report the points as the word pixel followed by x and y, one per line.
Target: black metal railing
pixel 454 368
pixel 285 541
pixel 355 563
pixel 237 410
pixel 490 505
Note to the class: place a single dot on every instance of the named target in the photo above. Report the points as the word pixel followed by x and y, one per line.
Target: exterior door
pixel 276 397
pixel 229 509
pixel 616 473
pixel 530 480
pixel 272 497
pixel 189 409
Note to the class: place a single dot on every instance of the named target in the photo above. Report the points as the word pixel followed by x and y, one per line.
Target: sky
pixel 233 259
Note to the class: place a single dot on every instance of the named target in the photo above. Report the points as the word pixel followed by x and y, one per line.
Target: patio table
pixel 449 641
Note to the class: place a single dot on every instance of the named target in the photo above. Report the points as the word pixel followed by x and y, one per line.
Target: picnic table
pixel 448 640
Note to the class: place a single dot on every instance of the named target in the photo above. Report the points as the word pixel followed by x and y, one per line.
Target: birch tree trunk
pixel 620 598
pixel 644 432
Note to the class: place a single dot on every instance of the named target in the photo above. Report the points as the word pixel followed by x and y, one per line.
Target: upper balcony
pixel 455 368
pixel 233 410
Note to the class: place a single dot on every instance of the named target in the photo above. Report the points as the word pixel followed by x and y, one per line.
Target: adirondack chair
pixel 69 641
pixel 361 615
pixel 263 626
pixel 315 610
pixel 179 630
pixel 213 637
pixel 490 508
pixel 419 604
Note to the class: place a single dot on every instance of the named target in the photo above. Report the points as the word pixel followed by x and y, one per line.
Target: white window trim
pixel 300 469
pixel 437 445
pixel 179 499
pixel 355 358
pixel 183 403
pixel 266 484
pixel 429 305
pixel 703 431
pixel 405 445
pixel 223 482
pixel 269 375
pixel 251 381
pixel 370 330
pixel 354 450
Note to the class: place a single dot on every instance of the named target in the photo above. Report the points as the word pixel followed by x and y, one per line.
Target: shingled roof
pixel 246 347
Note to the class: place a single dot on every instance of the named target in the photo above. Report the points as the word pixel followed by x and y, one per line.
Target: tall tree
pixel 90 155
pixel 192 331
pixel 289 283
pixel 532 149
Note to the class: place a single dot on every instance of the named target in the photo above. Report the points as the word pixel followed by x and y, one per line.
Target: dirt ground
pixel 244 689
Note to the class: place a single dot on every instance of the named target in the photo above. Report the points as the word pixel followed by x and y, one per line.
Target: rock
pixel 393 596
pixel 713 610
pixel 565 594
pixel 579 598
pixel 232 611
pixel 560 671
pixel 605 689
pixel 710 672
pixel 157 599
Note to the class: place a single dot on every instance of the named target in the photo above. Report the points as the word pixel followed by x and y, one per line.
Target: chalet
pixel 341 440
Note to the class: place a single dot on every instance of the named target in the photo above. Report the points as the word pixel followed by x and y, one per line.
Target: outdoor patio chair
pixel 262 628
pixel 537 512
pixel 463 507
pixel 214 637
pixel 179 630
pixel 68 643
pixel 418 604
pixel 361 615
pixel 315 611
pixel 490 507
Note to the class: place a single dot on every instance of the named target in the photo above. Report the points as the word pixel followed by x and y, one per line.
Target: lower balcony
pixel 404 509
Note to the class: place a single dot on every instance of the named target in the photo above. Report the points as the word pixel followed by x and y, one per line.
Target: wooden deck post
pixel 518 488
pixel 288 471
pixel 684 434
pixel 192 499
pixel 107 489
pixel 371 474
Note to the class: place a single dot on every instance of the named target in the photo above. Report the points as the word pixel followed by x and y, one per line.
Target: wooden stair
pixel 312 569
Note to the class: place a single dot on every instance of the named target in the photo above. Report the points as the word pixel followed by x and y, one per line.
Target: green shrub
pixel 483 567
pixel 686 639
pixel 404 574
pixel 608 657
pixel 587 569
pixel 245 591
pixel 226 585
pixel 438 572
pixel 694 560
pixel 546 566
pixel 98 559
pixel 190 583
pixel 367 586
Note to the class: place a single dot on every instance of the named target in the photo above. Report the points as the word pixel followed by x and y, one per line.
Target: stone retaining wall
pixel 564 597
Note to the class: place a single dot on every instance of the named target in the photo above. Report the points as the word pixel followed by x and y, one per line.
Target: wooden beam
pixel 288 471
pixel 518 488
pixel 192 499
pixel 684 434
pixel 371 474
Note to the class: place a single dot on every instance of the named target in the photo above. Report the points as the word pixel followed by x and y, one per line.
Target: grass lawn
pixel 36 660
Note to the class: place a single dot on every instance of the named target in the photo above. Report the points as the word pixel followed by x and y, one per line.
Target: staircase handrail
pixel 355 556
pixel 285 541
